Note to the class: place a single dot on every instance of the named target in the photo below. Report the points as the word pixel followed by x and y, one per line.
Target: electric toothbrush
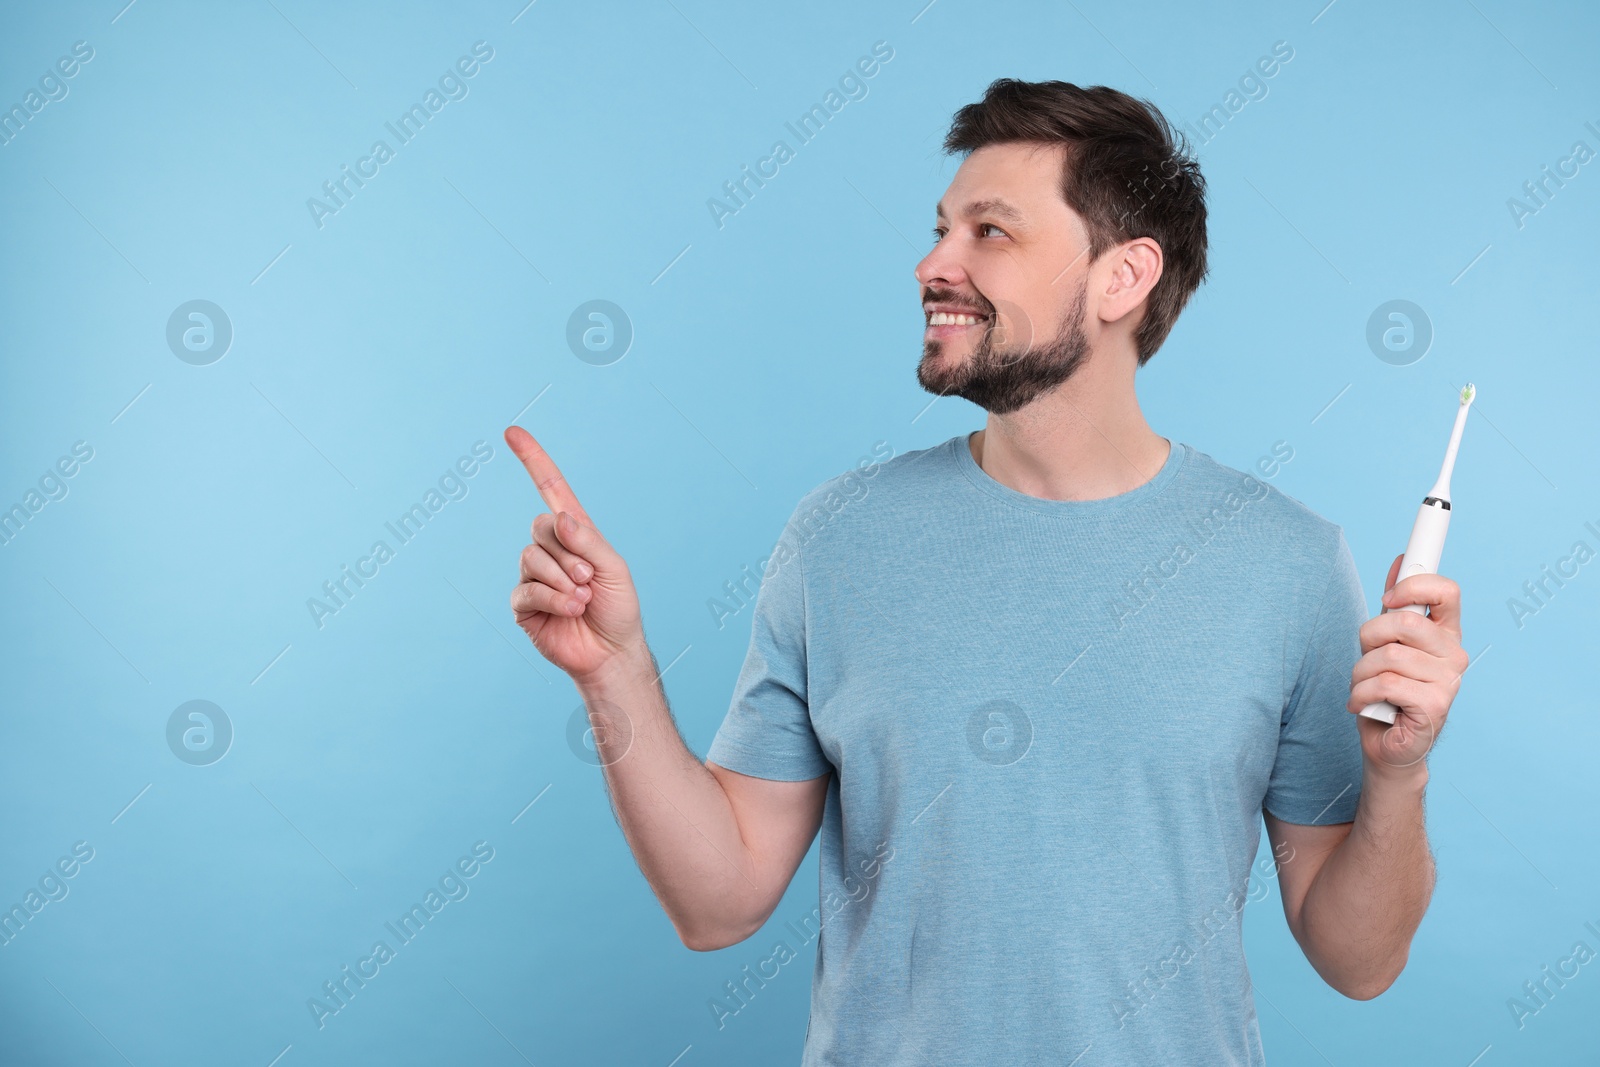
pixel 1427 536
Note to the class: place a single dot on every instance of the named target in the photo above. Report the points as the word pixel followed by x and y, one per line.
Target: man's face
pixel 1011 264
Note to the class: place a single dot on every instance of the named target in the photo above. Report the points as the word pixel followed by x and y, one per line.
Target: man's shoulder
pixel 1294 525
pixel 880 472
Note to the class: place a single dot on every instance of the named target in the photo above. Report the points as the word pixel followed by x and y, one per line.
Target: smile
pixel 945 318
pixel 947 324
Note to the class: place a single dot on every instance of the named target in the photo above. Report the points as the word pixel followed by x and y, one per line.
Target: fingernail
pixel 568 523
pixel 582 593
pixel 582 572
pixel 573 607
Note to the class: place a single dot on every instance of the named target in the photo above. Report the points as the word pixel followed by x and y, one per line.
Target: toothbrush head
pixel 1468 394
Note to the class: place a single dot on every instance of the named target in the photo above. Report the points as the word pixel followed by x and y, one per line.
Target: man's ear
pixel 1135 267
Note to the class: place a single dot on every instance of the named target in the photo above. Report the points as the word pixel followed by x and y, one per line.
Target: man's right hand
pixel 723 848
pixel 576 599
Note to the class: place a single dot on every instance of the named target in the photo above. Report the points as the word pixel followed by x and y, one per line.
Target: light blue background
pixel 427 314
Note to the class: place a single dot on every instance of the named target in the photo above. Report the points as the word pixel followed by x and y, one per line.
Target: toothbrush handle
pixel 1422 557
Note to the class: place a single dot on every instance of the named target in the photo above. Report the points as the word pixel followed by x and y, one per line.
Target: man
pixel 1040 685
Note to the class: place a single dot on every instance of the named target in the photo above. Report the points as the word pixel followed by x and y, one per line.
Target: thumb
pixel 1394 572
pixel 585 541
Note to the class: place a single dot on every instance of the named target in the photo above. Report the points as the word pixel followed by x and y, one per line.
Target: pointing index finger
pixel 553 488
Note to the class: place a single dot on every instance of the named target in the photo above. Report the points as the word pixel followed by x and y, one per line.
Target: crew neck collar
pixel 959 450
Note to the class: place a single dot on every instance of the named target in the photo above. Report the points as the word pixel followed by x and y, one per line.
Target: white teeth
pixel 944 318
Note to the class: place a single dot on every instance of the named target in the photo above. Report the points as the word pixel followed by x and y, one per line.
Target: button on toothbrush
pixel 1427 536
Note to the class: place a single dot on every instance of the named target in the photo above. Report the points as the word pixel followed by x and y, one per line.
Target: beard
pixel 1001 381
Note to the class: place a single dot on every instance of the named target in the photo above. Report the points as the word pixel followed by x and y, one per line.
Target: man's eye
pixel 938 233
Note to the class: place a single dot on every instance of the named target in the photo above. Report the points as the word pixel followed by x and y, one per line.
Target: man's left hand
pixel 1413 661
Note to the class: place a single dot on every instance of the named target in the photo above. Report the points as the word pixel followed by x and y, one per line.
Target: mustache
pixel 950 296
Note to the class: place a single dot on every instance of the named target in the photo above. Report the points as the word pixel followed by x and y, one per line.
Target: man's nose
pixel 941 266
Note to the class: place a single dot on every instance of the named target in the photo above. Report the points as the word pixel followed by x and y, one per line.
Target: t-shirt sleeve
pixel 1316 777
pixel 767 732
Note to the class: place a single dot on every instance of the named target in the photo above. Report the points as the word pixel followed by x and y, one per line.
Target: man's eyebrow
pixel 992 206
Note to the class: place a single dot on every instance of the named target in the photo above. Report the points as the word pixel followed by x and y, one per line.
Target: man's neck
pixel 1086 440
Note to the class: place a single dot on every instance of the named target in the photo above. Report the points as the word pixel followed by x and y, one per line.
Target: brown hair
pixel 1128 173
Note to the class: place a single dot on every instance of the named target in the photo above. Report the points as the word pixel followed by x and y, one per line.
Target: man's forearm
pixel 676 817
pixel 1363 908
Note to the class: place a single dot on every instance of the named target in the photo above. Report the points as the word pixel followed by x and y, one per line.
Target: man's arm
pixel 1355 893
pixel 718 847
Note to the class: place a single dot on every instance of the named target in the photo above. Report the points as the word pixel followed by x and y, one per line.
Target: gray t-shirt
pixel 1051 727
